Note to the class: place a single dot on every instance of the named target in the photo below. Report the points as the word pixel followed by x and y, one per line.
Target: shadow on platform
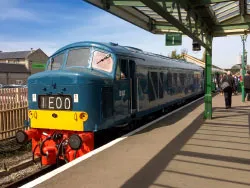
pixel 210 153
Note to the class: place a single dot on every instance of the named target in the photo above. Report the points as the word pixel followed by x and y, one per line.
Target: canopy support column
pixel 243 67
pixel 208 84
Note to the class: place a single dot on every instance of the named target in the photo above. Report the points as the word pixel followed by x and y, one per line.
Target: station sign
pixel 38 66
pixel 173 39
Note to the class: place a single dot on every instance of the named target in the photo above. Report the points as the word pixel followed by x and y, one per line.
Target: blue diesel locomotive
pixel 91 86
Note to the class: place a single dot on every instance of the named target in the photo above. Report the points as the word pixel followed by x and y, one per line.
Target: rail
pixel 13 111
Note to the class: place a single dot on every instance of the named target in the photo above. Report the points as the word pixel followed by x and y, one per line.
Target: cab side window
pixel 122 70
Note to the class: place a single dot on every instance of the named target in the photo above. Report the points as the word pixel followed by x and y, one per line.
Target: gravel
pixel 4 181
pixel 11 158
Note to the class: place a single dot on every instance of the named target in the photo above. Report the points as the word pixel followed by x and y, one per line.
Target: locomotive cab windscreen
pixel 84 58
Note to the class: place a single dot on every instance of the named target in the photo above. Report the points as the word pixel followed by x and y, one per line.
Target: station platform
pixel 182 150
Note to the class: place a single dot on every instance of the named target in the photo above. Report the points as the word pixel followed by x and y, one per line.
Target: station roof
pixel 198 19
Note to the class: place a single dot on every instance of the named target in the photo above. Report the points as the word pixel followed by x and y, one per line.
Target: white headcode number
pixel 67 103
pixel 51 103
pixel 55 102
pixel 58 103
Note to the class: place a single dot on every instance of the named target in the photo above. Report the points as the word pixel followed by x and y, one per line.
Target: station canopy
pixel 199 19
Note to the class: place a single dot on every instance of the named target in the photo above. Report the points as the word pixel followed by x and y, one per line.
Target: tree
pixel 178 56
pixel 183 52
pixel 174 54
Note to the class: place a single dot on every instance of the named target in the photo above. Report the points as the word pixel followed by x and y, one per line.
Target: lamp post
pixel 243 66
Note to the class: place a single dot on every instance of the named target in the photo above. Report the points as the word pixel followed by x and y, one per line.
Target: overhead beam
pixel 135 3
pixel 230 32
pixel 208 2
pixel 126 3
pixel 245 26
pixel 231 29
pixel 243 9
pixel 166 15
pixel 201 25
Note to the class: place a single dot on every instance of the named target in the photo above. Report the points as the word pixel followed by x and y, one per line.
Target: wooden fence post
pixel 13 111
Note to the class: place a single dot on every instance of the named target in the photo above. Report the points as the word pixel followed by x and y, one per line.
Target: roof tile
pixel 14 55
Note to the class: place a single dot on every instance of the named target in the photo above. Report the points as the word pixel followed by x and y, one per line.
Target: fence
pixel 13 111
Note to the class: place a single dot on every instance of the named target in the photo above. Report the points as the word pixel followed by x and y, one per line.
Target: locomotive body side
pixel 162 82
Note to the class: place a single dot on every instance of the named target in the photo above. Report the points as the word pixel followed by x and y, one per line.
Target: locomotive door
pixel 132 87
pixel 122 89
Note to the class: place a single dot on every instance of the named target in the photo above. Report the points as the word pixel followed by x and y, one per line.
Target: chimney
pixel 31 49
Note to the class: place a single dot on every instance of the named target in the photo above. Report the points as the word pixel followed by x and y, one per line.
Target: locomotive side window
pixel 161 85
pixel 175 79
pixel 153 87
pixel 118 71
pixel 122 70
pixel 182 79
pixel 56 62
pixel 169 79
pixel 78 57
pixel 102 61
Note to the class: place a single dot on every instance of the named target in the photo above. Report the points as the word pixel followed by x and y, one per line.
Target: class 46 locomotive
pixel 88 87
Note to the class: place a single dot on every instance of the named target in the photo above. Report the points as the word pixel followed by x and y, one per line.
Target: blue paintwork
pixel 88 84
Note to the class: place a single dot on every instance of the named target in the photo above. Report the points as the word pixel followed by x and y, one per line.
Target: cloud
pixel 9 10
pixel 5 4
pixel 16 14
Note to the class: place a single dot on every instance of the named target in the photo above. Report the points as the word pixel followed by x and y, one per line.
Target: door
pixel 122 90
pixel 132 86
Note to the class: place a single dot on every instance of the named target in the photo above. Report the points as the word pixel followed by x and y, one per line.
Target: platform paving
pixel 182 150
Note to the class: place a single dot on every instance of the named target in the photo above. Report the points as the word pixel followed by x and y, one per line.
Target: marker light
pixel 83 116
pixel 30 114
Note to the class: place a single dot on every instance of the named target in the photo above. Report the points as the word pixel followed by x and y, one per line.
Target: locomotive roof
pixel 148 59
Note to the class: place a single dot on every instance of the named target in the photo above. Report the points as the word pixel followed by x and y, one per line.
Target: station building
pixel 16 67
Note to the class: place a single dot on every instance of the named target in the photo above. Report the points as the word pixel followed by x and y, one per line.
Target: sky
pixel 52 24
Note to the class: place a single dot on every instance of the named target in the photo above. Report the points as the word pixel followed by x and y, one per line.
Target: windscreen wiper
pixel 106 57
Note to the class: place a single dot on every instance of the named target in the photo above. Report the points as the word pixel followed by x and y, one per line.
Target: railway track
pixel 101 140
pixel 31 177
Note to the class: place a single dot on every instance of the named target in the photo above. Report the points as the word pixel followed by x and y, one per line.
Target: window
pixel 153 87
pixel 19 82
pixel 175 79
pixel 78 57
pixel 161 85
pixel 102 61
pixel 122 70
pixel 56 62
pixel 151 91
pixel 169 79
pixel 118 71
pixel 182 78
